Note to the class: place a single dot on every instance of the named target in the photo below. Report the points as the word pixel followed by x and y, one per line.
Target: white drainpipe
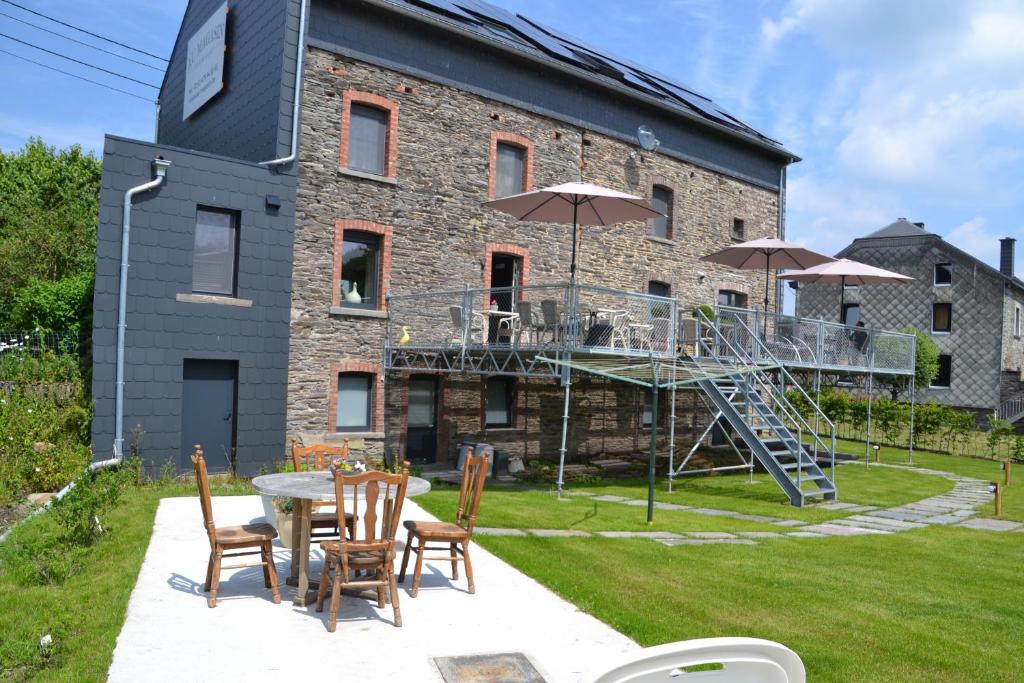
pixel 300 56
pixel 159 172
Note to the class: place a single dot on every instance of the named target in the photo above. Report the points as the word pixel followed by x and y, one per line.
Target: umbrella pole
pixel 572 266
pixel 842 298
pixel 767 271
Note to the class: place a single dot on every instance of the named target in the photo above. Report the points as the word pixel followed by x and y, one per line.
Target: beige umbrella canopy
pixel 767 253
pixel 846 272
pixel 576 203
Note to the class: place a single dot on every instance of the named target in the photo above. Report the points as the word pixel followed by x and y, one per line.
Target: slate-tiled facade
pixel 986 356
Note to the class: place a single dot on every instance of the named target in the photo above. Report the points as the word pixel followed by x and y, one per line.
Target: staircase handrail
pixel 1011 408
pixel 787 408
pixel 803 425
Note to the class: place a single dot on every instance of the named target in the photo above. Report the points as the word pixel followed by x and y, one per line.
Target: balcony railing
pixel 809 343
pixel 553 318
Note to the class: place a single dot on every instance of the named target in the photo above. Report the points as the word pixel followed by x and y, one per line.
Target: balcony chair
pixel 661 333
pixel 620 331
pixel 453 535
pixel 458 326
pixel 223 540
pixel 552 318
pixel 742 660
pixel 374 554
pixel 527 324
pixel 317 458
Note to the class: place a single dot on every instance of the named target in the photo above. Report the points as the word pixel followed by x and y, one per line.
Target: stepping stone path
pixel 955 507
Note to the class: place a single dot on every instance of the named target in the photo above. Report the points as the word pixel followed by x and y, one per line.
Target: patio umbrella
pixel 576 203
pixel 846 272
pixel 767 253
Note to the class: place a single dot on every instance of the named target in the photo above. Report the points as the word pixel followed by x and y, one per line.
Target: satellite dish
pixel 646 137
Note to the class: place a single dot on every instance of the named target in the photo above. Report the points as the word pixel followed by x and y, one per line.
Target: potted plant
pixel 285 511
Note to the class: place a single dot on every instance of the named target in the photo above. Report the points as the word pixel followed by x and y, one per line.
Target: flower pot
pixel 284 528
pixel 269 510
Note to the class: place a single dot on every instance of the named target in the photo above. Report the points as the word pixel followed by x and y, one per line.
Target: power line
pixel 82 30
pixel 81 78
pixel 78 61
pixel 80 42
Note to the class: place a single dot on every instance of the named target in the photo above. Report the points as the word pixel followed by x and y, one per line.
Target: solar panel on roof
pixel 529 35
pixel 445 7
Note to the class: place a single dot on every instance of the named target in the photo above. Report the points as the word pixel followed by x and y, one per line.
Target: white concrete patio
pixel 171 635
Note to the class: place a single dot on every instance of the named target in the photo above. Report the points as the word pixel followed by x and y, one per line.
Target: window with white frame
pixel 355 402
pixel 943 274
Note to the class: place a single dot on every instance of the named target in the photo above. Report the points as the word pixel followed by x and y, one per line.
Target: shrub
pixel 78 514
pixel 64 305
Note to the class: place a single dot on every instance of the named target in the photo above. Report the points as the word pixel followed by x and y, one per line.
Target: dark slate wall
pixel 369 33
pixel 251 117
pixel 162 331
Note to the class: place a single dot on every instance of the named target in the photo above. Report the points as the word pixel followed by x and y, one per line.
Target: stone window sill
pixel 341 436
pixel 939 388
pixel 358 312
pixel 502 429
pixel 213 299
pixel 661 240
pixel 368 176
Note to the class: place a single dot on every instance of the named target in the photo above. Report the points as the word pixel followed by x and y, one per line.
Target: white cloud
pixel 973 237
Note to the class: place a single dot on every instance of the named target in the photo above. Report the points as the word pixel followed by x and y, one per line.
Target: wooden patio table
pixel 304 488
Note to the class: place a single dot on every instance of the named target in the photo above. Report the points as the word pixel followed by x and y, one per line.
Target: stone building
pixel 411 115
pixel 971 310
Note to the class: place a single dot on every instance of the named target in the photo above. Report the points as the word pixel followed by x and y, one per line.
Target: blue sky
pixel 912 108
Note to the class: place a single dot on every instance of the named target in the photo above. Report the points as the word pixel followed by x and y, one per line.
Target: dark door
pixel 421 435
pixel 208 412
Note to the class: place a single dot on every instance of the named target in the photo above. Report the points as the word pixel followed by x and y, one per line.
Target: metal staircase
pixel 751 396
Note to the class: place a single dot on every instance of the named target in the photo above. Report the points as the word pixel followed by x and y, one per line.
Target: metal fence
pixel 558 317
pixel 38 342
pixel 805 342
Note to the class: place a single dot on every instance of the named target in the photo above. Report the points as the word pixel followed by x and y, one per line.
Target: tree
pixel 926 364
pixel 48 212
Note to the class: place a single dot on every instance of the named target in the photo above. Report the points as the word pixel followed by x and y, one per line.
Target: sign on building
pixel 204 72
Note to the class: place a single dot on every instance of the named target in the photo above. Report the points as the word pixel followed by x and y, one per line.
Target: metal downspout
pixel 300 57
pixel 159 172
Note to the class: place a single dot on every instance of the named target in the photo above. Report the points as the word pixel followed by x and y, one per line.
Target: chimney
pixel 1006 246
pixel 919 224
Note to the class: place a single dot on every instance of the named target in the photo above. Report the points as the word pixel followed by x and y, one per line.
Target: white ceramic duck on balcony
pixel 352 296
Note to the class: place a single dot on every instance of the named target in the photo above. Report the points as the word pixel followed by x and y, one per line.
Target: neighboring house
pixel 256 295
pixel 971 311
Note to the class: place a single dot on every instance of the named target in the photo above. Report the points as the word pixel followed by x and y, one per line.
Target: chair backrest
pixel 525 311
pixel 473 475
pixel 743 660
pixel 549 310
pixel 456 313
pixel 661 329
pixel 203 483
pixel 317 457
pixel 360 494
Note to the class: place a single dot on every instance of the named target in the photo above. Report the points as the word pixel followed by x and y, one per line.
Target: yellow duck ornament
pixel 405 336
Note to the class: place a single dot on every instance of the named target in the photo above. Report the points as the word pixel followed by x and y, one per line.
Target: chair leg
pixel 321 592
pixel 332 616
pixel 267 559
pixel 405 557
pixel 209 573
pixel 455 561
pixel 272 571
pixel 469 566
pixel 215 578
pixel 394 594
pixel 417 573
pixel 381 577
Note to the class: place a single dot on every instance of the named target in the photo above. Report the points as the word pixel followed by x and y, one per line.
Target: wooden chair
pixel 224 539
pixel 460 533
pixel 374 553
pixel 317 458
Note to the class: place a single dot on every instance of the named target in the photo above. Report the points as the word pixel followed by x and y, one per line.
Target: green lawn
pixel 989 470
pixel 937 604
pixel 533 509
pixel 84 615
pixel 940 604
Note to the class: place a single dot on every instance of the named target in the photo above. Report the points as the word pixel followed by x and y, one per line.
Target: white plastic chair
pixel 743 660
